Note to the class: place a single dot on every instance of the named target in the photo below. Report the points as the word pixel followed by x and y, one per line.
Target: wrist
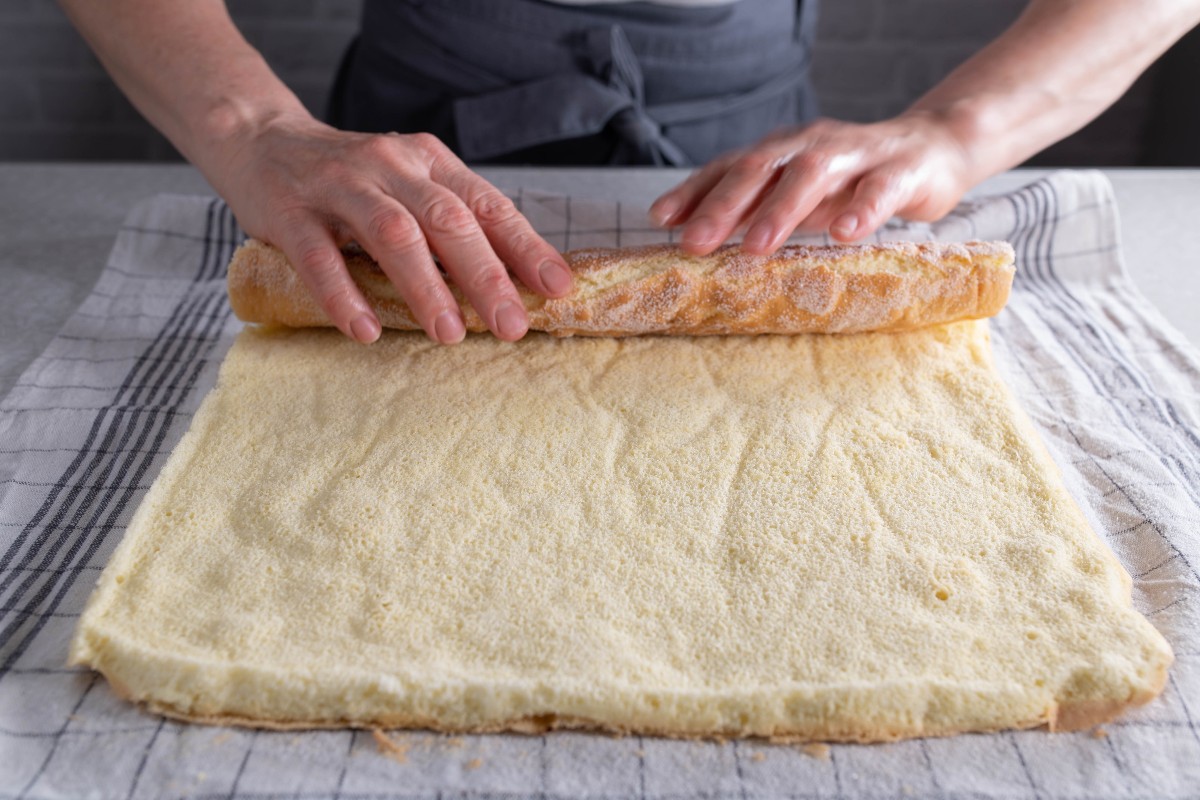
pixel 250 100
pixel 228 140
pixel 973 127
pixel 229 122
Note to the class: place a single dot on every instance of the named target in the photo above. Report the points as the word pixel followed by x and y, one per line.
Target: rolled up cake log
pixel 660 289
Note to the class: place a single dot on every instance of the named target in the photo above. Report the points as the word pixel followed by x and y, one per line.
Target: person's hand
pixel 844 178
pixel 308 188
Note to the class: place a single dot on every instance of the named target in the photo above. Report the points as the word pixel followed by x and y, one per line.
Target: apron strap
pixel 569 106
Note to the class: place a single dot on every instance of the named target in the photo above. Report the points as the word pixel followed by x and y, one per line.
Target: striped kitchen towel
pixel 1113 389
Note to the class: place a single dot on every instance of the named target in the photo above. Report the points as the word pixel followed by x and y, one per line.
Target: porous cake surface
pixel 851 538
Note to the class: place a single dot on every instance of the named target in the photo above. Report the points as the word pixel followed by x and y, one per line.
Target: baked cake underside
pixel 819 537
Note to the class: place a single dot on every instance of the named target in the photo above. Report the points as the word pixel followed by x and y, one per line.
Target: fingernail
pixel 365 328
pixel 699 234
pixel 844 225
pixel 511 322
pixel 449 328
pixel 663 211
pixel 759 237
pixel 555 277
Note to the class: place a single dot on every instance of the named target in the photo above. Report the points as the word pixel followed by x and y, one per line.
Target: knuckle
pixel 777 218
pixel 876 196
pixel 425 142
pixel 393 230
pixel 318 261
pixel 527 242
pixel 380 148
pixel 445 217
pixel 334 298
pixel 490 282
pixel 809 161
pixel 328 278
pixel 428 295
pixel 493 208
pixel 290 212
pixel 719 205
pixel 882 179
pixel 872 207
pixel 754 164
pixel 726 200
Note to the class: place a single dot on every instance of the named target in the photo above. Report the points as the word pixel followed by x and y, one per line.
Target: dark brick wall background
pixel 873 58
pixel 57 102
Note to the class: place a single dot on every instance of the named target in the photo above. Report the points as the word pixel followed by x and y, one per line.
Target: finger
pixel 794 197
pixel 318 261
pixel 528 255
pixel 453 233
pixel 753 208
pixel 876 198
pixel 818 221
pixel 675 206
pixel 390 234
pixel 826 211
pixel 723 208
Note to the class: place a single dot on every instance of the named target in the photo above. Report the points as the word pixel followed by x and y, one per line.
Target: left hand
pixel 846 178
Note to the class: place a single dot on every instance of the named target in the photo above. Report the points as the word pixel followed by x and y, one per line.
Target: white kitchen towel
pixel 1113 389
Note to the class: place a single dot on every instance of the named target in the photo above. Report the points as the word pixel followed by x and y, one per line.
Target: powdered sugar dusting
pixel 658 289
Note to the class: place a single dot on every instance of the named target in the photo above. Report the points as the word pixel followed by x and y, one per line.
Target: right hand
pixel 308 189
pixel 842 177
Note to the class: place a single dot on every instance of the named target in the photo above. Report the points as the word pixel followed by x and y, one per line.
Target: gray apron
pixel 525 81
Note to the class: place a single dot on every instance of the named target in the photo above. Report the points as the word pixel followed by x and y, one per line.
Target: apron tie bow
pixel 568 107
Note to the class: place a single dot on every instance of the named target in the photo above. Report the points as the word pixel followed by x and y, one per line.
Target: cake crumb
pixel 222 738
pixel 1099 733
pixel 818 750
pixel 640 753
pixel 455 741
pixel 758 757
pixel 389 747
pixel 474 763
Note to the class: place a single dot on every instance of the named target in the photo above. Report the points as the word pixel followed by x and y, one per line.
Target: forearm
pixel 1059 65
pixel 309 188
pixel 186 67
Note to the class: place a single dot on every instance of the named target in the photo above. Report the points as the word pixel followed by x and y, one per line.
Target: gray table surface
pixel 58 221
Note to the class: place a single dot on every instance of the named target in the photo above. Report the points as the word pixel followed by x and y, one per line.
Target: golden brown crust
pixel 1058 717
pixel 1086 714
pixel 659 289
